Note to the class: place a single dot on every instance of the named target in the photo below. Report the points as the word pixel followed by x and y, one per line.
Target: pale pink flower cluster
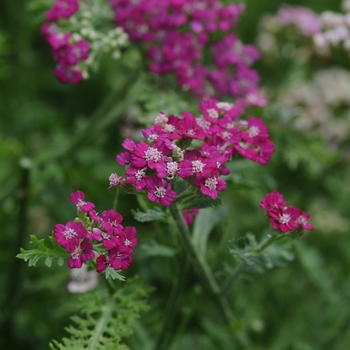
pixel 326 29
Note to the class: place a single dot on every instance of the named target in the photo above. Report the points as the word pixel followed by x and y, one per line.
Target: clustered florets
pixel 102 236
pixel 283 217
pixel 155 164
pixel 66 51
pixel 177 33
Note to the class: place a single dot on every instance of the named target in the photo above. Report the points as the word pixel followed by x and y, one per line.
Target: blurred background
pixel 56 139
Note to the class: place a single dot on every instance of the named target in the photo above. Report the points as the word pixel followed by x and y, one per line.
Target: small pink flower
pixel 119 258
pixel 68 74
pixel 128 238
pixel 80 254
pixel 273 200
pixel 102 262
pixel 68 235
pixel 160 191
pixel 284 219
pixel 111 222
pixel 210 186
pixel 77 198
pixel 188 215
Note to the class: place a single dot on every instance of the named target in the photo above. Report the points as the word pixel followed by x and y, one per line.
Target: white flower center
pixel 105 235
pixel 171 169
pixel 161 118
pixel 253 131
pixel 69 233
pixel 302 220
pixel 224 105
pixel 127 242
pixel 211 183
pixel 114 179
pixel 243 145
pixel 80 203
pixel 226 134
pixel 204 124
pixel 152 138
pixel 284 218
pixel 169 128
pixel 76 253
pixel 139 175
pixel 190 132
pixel 197 166
pixel 153 154
pixel 160 192
pixel 213 113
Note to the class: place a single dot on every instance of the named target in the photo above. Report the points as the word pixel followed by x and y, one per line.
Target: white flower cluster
pixel 336 28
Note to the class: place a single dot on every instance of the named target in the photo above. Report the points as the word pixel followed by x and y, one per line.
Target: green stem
pixel 228 284
pixel 273 238
pixel 201 266
pixel 170 308
pixel 115 201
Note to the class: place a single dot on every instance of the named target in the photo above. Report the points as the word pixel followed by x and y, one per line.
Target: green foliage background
pixel 56 139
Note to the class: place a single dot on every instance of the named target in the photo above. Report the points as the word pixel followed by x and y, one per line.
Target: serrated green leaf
pixel 155 249
pixel 41 251
pixel 110 272
pixel 247 249
pixel 150 215
pixel 199 202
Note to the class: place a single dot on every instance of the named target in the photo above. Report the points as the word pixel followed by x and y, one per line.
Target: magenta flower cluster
pixel 166 154
pixel 102 236
pixel 180 35
pixel 66 51
pixel 283 217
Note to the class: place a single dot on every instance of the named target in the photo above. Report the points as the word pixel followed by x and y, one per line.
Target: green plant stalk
pixel 170 308
pixel 101 324
pixel 201 266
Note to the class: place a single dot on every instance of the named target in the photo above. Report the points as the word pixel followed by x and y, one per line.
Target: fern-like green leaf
pixel 150 215
pixel 110 272
pixel 106 319
pixel 199 202
pixel 41 251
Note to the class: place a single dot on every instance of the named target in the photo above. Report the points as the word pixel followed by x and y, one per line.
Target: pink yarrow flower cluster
pixel 283 217
pixel 101 237
pixel 66 51
pixel 153 165
pixel 177 35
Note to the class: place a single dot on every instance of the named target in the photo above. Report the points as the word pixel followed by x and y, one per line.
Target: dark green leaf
pixel 150 215
pixel 199 202
pixel 41 251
